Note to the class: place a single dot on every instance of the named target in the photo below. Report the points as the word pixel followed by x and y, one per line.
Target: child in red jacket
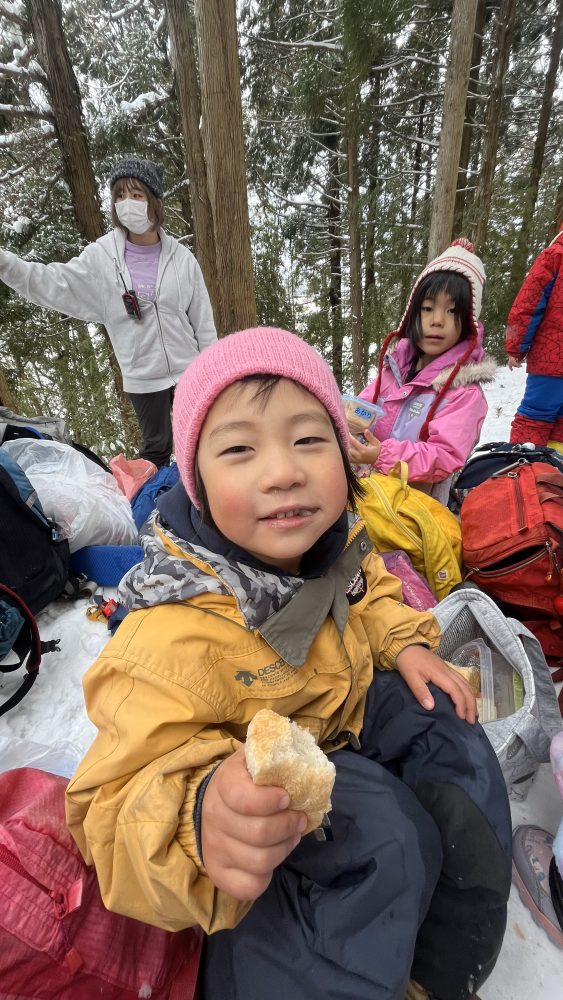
pixel 535 332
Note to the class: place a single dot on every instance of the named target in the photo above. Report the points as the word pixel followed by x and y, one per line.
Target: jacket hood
pixel 286 610
pixel 174 571
pixel 114 244
pixel 478 368
pixel 459 258
pixel 184 519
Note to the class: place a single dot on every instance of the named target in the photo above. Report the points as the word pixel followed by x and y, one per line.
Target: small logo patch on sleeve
pixel 357 588
pixel 246 677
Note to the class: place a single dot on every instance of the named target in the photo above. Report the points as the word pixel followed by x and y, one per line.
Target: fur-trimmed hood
pixel 479 368
pixel 479 372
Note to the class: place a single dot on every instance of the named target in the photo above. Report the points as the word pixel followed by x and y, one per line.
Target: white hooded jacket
pixel 152 352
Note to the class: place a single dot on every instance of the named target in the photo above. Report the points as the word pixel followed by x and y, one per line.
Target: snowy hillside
pixel 53 715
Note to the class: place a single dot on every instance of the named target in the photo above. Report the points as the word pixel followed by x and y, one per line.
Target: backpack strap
pixel 28 644
pixel 77 585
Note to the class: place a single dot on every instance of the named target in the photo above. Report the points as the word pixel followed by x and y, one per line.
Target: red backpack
pixel 512 535
pixel 57 940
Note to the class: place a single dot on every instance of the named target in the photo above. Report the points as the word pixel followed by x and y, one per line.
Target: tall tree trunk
pixel 223 144
pixel 7 398
pixel 557 212
pixel 406 275
pixel 335 291
pixel 455 94
pixel 469 123
pixel 484 194
pixel 182 58
pixel 373 184
pixel 519 259
pixel 46 25
pixel 45 19
pixel 355 257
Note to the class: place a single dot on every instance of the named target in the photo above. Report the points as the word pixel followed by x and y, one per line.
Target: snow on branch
pixel 330 45
pixel 128 9
pixel 13 173
pixel 12 13
pixel 15 72
pixel 17 110
pixel 407 58
pixel 144 102
pixel 21 138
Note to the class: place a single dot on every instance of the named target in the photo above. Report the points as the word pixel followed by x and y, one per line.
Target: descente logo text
pixel 272 673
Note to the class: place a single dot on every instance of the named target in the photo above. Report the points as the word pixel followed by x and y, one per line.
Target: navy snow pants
pixel 417 873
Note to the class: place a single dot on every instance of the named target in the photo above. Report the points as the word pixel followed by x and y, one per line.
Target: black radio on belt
pixel 131 302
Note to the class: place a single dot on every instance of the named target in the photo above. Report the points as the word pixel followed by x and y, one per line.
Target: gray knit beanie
pixel 150 174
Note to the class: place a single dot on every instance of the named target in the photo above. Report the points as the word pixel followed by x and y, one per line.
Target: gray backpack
pixel 53 427
pixel 520 740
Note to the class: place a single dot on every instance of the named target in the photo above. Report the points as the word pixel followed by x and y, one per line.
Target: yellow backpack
pixel 398 516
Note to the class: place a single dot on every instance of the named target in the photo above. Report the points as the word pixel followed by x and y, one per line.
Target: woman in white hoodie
pixel 144 286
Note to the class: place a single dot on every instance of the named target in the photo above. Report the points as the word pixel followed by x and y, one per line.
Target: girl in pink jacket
pixel 429 385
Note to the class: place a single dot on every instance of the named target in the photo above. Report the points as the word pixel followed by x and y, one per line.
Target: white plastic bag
pixel 62 758
pixel 79 495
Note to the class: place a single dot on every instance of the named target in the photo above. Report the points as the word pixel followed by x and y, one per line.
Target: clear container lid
pixel 502 688
pixel 359 413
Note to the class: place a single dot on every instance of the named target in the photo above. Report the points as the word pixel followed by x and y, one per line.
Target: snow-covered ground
pixel 51 721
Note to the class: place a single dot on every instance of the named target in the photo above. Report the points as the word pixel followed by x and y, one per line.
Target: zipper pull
pixel 67 902
pixel 552 562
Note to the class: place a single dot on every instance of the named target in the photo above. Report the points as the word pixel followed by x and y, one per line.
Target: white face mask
pixel 133 215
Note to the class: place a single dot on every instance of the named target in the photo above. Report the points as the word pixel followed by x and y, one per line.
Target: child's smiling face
pixel 272 470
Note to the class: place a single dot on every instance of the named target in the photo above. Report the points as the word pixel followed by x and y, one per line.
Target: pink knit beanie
pixel 260 351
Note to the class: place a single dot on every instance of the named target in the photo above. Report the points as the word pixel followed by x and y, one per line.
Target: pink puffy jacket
pixel 453 431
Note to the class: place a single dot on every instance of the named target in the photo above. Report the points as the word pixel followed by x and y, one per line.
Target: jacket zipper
pixel 396 520
pixel 162 337
pixel 162 265
pixel 63 902
pixel 522 523
pixel 490 574
pixel 159 281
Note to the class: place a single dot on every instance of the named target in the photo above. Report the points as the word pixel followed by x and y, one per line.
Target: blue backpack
pixel 145 500
pixel 34 559
pixel 19 636
pixel 34 569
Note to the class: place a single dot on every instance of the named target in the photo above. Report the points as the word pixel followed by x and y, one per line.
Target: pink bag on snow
pixel 416 592
pixel 131 473
pixel 57 940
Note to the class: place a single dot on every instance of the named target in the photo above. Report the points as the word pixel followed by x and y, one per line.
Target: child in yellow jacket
pixel 259 589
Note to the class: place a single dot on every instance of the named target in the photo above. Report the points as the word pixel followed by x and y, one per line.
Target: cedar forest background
pixel 317 152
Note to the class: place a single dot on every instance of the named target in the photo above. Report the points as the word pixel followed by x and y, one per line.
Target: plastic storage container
pixel 502 690
pixel 360 414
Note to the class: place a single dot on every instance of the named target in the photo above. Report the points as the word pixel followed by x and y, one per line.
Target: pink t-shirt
pixel 142 262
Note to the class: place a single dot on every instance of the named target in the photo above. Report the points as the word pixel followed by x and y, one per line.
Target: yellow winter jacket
pixel 172 694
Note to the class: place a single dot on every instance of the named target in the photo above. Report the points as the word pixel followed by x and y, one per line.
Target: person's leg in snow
pixel 340 917
pixel 454 773
pixel 556 440
pixel 538 413
pixel 153 412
